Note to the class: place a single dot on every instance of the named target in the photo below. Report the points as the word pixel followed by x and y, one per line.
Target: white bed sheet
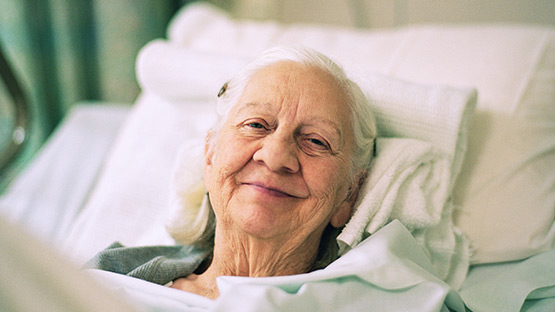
pixel 528 284
pixel 47 196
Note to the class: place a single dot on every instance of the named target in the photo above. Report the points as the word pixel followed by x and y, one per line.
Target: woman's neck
pixel 238 254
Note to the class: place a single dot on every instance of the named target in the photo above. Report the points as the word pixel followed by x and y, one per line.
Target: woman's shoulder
pixel 158 264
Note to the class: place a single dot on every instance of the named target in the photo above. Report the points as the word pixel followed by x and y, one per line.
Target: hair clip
pixel 222 90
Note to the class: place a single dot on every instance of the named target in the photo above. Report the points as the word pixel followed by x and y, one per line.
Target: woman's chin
pixel 261 225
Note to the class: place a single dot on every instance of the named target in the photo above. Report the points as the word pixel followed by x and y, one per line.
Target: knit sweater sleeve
pixel 157 264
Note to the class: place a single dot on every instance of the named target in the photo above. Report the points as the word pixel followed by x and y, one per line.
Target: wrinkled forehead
pixel 295 77
pixel 311 89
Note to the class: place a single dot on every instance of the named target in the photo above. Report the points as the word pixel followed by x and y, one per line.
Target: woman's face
pixel 279 168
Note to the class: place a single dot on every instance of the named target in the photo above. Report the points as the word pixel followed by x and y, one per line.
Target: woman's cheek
pixel 330 183
pixel 231 156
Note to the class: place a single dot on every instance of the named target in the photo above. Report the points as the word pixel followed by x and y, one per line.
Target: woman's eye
pixel 255 125
pixel 317 142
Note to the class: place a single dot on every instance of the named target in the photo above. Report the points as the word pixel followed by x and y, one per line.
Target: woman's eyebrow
pixel 265 106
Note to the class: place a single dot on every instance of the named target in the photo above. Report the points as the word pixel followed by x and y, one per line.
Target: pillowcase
pixel 506 191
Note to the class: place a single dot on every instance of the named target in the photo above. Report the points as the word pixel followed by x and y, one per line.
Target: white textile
pixel 409 181
pixel 50 192
pixel 35 278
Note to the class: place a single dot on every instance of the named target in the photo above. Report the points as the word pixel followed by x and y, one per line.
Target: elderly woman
pixel 282 169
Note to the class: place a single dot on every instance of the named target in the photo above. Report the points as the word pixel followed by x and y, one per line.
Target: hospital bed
pixel 14 128
pixel 482 96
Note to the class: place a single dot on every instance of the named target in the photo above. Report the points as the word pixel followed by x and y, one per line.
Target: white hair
pixel 363 123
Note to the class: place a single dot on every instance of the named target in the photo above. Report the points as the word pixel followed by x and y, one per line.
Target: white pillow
pixel 505 195
pixel 129 201
pixel 181 74
pixel 506 190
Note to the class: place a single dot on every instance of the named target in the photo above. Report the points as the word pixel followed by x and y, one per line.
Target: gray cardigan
pixel 157 264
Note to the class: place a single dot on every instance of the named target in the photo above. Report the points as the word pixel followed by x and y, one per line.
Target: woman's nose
pixel 278 154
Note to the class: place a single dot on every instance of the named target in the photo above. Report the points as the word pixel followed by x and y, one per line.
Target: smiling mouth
pixel 271 191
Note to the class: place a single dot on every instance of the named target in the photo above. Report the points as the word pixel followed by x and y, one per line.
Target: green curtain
pixel 66 51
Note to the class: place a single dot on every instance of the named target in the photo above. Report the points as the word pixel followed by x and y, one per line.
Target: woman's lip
pixel 273 190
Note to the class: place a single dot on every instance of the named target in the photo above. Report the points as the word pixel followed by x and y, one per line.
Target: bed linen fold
pixel 527 285
pixel 387 272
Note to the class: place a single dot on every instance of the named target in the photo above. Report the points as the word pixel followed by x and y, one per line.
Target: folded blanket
pixel 409 181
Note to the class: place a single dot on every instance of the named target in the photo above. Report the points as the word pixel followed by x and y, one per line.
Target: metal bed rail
pixel 19 132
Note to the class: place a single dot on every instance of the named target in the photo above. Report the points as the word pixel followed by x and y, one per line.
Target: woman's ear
pixel 343 212
pixel 341 215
